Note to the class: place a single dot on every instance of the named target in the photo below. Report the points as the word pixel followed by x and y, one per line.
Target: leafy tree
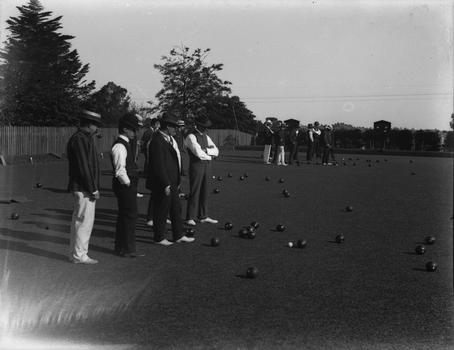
pixel 229 112
pixel 190 85
pixel 43 78
pixel 343 126
pixel 111 101
pixel 451 123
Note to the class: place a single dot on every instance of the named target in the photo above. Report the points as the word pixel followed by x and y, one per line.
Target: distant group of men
pixel 319 141
pixel 171 151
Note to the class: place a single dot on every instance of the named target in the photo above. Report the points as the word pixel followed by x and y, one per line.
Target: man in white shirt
pixel 124 184
pixel 201 150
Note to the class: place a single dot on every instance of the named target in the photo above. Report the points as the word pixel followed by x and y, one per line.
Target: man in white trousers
pixel 84 176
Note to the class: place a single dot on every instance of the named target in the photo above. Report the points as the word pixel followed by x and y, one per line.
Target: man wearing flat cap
pixel 84 175
pixel 164 179
pixel 124 185
pixel 201 150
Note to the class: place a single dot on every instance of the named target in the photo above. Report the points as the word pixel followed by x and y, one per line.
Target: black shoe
pixel 135 255
pixel 131 255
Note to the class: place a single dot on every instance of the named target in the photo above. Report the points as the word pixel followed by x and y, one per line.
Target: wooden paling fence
pixel 34 140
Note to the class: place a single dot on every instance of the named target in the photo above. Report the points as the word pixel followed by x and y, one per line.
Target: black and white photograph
pixel 226 174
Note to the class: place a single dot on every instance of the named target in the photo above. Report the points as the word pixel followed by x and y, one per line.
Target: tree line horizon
pixel 43 83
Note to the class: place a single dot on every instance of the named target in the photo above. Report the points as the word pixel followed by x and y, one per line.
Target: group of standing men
pixel 165 147
pixel 319 141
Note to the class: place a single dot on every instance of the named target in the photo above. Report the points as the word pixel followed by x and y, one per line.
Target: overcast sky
pixel 332 61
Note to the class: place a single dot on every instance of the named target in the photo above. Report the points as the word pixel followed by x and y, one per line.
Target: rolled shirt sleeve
pixel 192 144
pixel 119 154
pixel 212 150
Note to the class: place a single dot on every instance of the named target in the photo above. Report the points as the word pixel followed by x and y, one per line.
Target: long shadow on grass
pixel 419 269
pixel 104 214
pixel 66 228
pixel 240 161
pixel 56 190
pixel 25 248
pixel 42 237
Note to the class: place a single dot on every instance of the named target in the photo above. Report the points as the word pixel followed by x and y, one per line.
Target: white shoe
pixel 139 195
pixel 164 242
pixel 86 261
pixel 208 220
pixel 185 239
pixel 168 222
pixel 150 223
pixel 190 222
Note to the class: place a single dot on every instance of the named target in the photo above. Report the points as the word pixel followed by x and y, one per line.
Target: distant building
pixel 382 129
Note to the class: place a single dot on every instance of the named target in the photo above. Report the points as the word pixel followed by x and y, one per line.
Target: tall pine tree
pixel 43 79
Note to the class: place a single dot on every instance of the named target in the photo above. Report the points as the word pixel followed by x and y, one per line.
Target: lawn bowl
pixel 255 224
pixel 228 226
pixel 243 233
pixel 431 266
pixel 215 242
pixel 190 232
pixel 301 243
pixel 252 272
pixel 280 228
pixel 251 234
pixel 430 240
pixel 339 239
pixel 420 249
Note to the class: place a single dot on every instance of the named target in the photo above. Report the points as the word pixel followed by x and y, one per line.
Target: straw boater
pixel 84 176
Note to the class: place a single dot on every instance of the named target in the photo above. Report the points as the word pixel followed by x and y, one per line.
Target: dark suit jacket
pixel 163 168
pixel 84 172
pixel 293 137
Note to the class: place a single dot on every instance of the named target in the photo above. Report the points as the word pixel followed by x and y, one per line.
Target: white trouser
pixel 280 155
pixel 266 153
pixel 81 225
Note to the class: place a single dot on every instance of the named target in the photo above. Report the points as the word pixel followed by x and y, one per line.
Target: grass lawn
pixel 371 292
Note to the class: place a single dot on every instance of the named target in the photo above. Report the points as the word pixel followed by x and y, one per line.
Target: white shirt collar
pixel 123 137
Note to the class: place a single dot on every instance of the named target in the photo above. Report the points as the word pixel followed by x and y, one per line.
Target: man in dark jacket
pixel 294 138
pixel 268 134
pixel 84 178
pixel 327 145
pixel 164 181
pixel 124 185
pixel 310 143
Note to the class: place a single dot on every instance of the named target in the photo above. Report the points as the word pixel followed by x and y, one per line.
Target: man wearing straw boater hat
pixel 164 180
pixel 84 176
pixel 124 185
pixel 201 150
